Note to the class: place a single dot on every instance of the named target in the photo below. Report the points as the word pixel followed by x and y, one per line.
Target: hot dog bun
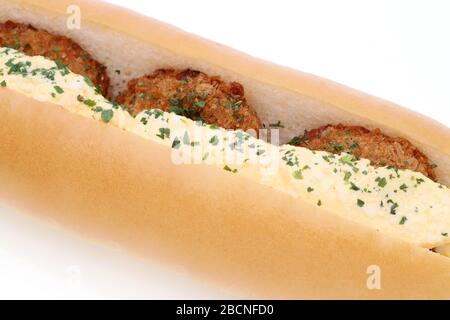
pixel 256 240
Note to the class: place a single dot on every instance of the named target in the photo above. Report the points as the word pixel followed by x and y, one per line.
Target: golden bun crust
pixel 116 187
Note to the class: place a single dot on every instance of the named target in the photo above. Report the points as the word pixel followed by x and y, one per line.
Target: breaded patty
pixel 35 42
pixel 375 146
pixel 194 95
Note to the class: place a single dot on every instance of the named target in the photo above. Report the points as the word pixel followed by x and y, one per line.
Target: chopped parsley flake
pixel 276 125
pixel 90 103
pixel 354 187
pixel 176 144
pixel 164 133
pixel 347 176
pixel 89 82
pixel 177 110
pixel 297 174
pixel 381 182
pixel 347 159
pixel 394 208
pixel 19 68
pixel 214 141
pixel 337 147
pixel 295 141
pixel 107 115
pixel 345 166
pixel 227 168
pixel 58 89
pixel 200 104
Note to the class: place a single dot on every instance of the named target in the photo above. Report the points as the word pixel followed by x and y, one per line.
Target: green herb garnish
pixel 164 133
pixel 354 187
pixel 347 176
pixel 227 168
pixel 214 141
pixel 58 89
pixel 276 125
pixel 381 182
pixel 200 103
pixel 394 208
pixel 297 174
pixel 107 115
pixel 90 103
pixel 176 144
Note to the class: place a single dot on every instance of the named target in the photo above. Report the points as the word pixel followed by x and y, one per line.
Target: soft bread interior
pixel 127 52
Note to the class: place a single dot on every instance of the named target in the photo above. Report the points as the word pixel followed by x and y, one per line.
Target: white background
pixel 398 50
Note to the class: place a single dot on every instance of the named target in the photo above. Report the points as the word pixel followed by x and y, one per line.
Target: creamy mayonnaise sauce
pixel 402 203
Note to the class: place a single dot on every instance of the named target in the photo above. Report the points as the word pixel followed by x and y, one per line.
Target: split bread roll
pixel 252 232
